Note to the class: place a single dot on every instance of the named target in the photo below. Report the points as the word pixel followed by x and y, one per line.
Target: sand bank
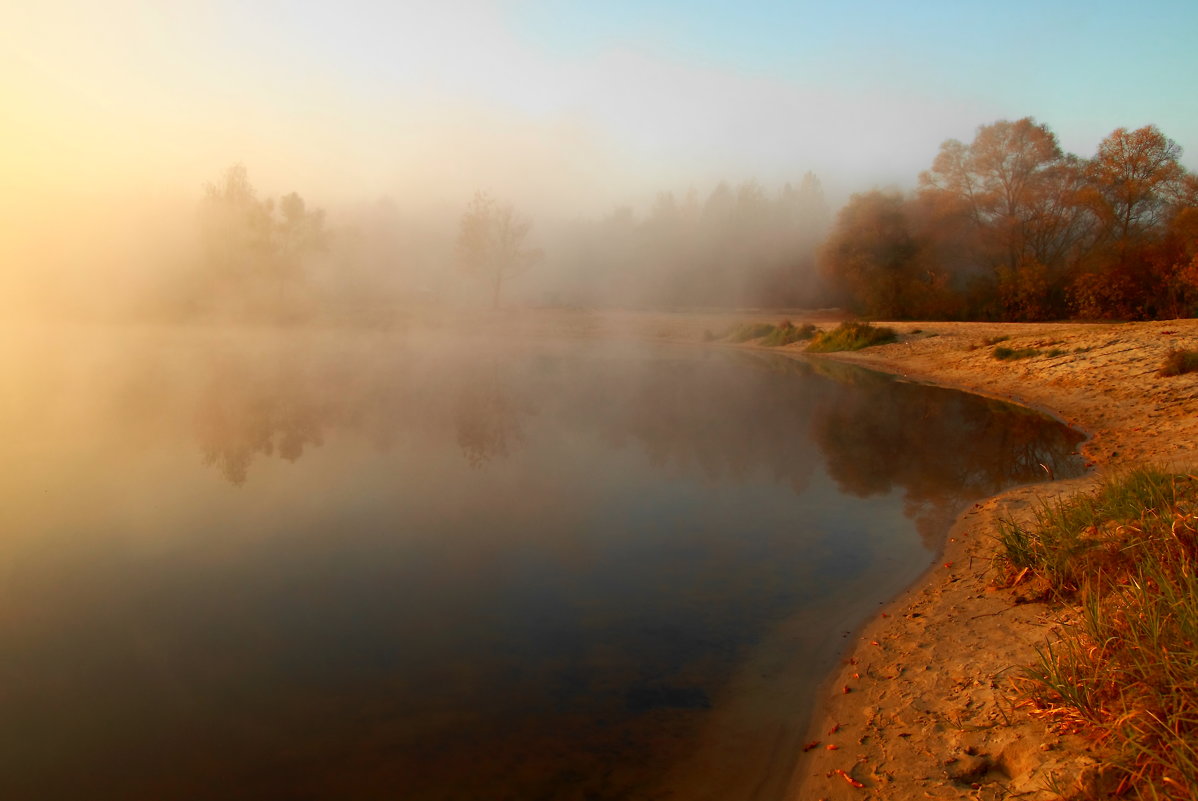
pixel 924 705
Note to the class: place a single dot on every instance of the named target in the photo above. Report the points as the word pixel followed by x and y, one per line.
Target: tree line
pixel 1010 227
pixel 740 245
pixel 1006 227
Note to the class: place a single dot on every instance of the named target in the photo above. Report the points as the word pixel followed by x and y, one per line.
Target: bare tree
pixel 491 243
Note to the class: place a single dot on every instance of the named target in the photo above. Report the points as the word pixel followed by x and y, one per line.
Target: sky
pixel 563 107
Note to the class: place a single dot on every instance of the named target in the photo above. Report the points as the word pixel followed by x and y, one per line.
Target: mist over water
pixel 337 464
pixel 262 564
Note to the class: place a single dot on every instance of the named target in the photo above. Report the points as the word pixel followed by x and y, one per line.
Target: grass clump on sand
pixel 1179 361
pixel 787 332
pixel 851 336
pixel 1005 354
pixel 747 331
pixel 1127 674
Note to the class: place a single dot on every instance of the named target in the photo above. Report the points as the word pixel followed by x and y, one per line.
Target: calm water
pixel 364 567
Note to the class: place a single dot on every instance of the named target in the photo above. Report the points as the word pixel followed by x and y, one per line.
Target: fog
pixel 227 251
pixel 664 158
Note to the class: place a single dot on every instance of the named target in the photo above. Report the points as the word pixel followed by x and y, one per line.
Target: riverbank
pixel 930 709
pixel 924 706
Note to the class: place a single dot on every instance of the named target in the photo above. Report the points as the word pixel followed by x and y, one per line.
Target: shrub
pixel 851 336
pixel 1179 361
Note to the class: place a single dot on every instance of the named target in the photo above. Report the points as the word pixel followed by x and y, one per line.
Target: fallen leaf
pixel 849 778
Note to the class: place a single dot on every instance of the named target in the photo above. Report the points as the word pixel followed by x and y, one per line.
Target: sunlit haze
pixel 129 108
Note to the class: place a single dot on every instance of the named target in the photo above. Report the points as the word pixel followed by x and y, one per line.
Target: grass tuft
pixel 747 331
pixel 851 336
pixel 1179 361
pixel 1128 674
pixel 1004 354
pixel 786 333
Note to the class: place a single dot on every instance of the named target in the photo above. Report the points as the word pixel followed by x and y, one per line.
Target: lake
pixel 295 565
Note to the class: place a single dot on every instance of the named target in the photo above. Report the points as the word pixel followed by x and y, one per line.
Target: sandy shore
pixel 924 706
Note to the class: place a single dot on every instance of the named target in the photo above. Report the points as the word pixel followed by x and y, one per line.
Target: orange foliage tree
pixel 1135 186
pixel 875 259
pixel 1010 227
pixel 1014 190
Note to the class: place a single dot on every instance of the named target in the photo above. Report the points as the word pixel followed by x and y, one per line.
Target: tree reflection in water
pixel 726 417
pixel 246 410
pixel 488 418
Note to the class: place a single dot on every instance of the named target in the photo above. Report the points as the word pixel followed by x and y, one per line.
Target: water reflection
pixel 409 569
pixel 727 418
pixel 246 410
pixel 488 416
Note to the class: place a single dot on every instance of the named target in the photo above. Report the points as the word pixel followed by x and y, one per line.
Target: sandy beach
pixel 925 706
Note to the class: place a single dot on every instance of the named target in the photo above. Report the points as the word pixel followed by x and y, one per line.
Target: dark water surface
pixel 365 567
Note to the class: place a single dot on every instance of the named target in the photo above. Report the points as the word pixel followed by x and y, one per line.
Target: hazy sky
pixel 563 106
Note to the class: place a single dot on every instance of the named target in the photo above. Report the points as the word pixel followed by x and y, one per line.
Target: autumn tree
pixel 491 243
pixel 1010 227
pixel 1135 186
pixel 1015 190
pixel 1176 260
pixel 1135 179
pixel 874 258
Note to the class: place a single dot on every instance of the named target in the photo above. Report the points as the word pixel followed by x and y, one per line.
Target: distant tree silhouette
pixel 254 249
pixel 491 243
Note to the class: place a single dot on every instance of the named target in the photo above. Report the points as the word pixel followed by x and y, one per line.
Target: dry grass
pixel 1127 674
pixel 851 336
pixel 1179 361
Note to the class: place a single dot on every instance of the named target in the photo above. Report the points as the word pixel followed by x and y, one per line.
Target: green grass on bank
pixel 1004 354
pixel 1127 674
pixel 851 336
pixel 747 331
pixel 772 336
pixel 846 336
pixel 787 332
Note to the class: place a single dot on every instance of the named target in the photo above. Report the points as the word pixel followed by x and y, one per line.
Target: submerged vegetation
pixel 851 336
pixel 1127 674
